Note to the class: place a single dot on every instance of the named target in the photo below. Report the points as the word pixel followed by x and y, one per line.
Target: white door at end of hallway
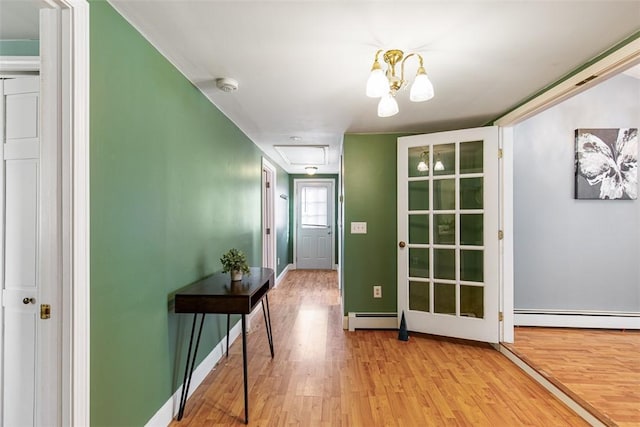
pixel 314 224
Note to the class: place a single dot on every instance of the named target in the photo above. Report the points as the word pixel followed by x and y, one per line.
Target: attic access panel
pixel 303 155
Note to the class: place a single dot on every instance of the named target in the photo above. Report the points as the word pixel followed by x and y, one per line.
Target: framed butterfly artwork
pixel 606 164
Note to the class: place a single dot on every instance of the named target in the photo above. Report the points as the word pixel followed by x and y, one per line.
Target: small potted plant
pixel 235 262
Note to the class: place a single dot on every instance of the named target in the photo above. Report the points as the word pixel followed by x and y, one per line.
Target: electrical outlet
pixel 377 291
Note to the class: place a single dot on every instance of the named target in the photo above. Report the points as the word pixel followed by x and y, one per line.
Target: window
pixel 314 207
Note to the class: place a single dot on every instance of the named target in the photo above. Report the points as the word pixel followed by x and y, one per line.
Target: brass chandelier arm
pixel 420 68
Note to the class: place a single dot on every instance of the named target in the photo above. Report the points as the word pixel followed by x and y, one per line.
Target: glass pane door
pixel 447 218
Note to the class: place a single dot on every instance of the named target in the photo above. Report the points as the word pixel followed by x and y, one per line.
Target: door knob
pixel 402 244
pixel 28 300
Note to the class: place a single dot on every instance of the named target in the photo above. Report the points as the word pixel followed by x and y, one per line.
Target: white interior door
pixel 314 224
pixel 268 223
pixel 20 299
pixel 448 254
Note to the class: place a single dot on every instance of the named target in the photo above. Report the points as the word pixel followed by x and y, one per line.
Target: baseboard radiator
pixel 577 318
pixel 372 321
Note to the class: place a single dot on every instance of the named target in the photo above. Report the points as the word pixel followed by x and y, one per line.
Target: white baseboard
pixel 169 410
pixel 284 273
pixel 372 321
pixel 596 320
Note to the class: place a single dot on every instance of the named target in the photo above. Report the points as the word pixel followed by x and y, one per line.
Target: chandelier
pixel 385 84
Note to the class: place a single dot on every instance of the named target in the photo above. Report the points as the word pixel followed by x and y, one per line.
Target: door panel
pixel 20 176
pixel 448 218
pixel 314 229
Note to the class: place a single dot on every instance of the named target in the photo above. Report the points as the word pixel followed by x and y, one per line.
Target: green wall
pixel 292 205
pixel 283 240
pixel 19 47
pixel 174 184
pixel 369 183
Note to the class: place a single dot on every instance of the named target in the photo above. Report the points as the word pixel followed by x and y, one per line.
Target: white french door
pixel 448 255
pixel 314 224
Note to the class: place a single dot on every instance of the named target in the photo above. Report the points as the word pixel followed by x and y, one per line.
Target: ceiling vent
pixel 227 84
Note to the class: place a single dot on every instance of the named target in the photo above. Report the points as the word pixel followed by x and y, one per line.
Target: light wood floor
pixel 325 376
pixel 600 369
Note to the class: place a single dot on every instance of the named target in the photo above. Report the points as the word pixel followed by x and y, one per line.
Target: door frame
pixel 622 56
pixel 72 89
pixel 296 183
pixel 268 215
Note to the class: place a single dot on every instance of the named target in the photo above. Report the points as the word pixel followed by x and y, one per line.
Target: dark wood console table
pixel 218 294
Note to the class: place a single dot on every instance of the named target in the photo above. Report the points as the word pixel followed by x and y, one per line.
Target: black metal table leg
pixel 244 367
pixel 228 316
pixel 191 362
pixel 267 323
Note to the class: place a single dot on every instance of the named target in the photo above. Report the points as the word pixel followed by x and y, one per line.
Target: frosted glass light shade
pixel 422 166
pixel 439 166
pixel 388 106
pixel 377 84
pixel 421 89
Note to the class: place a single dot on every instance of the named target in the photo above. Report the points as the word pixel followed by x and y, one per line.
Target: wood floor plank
pixel 600 368
pixel 324 376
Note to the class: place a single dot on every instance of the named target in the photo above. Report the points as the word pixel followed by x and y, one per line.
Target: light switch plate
pixel 358 228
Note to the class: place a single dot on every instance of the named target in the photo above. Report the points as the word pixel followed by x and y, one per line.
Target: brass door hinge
pixel 268 184
pixel 500 153
pixel 500 234
pixel 500 316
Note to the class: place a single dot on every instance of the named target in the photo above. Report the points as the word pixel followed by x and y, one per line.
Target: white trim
pixel 164 416
pixel 612 64
pixel 573 320
pixel 49 406
pixel 76 102
pixel 562 396
pixel 283 274
pixel 506 225
pixel 15 66
pixel 371 321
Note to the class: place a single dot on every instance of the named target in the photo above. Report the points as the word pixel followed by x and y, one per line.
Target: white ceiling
pixel 302 65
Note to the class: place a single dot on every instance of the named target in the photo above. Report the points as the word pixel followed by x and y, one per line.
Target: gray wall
pixel 574 254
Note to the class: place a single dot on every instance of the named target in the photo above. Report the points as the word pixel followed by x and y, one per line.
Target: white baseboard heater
pixel 577 319
pixel 372 321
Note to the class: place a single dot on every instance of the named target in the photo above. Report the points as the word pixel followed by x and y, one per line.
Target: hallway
pixel 324 376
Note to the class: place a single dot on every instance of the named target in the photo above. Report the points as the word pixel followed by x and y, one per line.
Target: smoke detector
pixel 227 84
